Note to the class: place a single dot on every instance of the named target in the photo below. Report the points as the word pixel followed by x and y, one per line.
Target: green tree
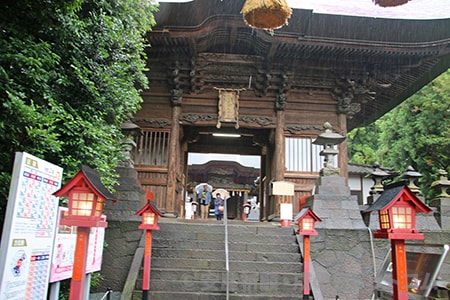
pixel 416 133
pixel 363 144
pixel 70 73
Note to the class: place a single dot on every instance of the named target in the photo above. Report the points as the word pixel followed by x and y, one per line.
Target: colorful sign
pixel 29 229
pixel 64 251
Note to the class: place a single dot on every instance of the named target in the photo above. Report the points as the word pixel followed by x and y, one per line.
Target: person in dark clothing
pixel 204 198
pixel 218 207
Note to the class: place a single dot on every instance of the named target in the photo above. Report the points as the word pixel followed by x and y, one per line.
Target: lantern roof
pixel 329 137
pixel 394 192
pixel 89 178
pixel 150 206
pixel 306 211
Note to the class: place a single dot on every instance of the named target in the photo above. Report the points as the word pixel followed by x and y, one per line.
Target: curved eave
pixel 216 32
pixel 306 23
pixel 405 54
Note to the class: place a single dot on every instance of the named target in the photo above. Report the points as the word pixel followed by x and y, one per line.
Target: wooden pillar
pixel 306 266
pixel 173 162
pixel 184 171
pixel 78 281
pixel 263 194
pixel 399 270
pixel 342 147
pixel 147 264
pixel 278 160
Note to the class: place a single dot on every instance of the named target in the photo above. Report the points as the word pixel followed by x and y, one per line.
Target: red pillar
pixel 306 259
pixel 399 270
pixel 78 281
pixel 147 262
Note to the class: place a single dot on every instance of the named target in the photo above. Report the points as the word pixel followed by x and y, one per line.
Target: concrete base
pixel 335 206
pixel 442 206
pixel 131 198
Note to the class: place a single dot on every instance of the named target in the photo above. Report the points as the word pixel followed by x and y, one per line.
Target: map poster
pixel 64 250
pixel 29 229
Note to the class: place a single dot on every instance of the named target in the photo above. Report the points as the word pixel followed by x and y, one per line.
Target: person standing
pixel 218 207
pixel 204 198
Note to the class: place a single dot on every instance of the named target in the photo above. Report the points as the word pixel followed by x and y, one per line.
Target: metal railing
pixel 227 260
pixel 107 295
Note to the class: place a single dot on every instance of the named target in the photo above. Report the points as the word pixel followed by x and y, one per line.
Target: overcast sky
pixel 414 9
pixel 245 160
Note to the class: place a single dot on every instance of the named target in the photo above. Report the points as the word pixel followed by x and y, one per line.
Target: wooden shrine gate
pixel 210 73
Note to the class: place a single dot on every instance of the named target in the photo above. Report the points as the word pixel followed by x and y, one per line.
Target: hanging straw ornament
pixel 390 3
pixel 266 14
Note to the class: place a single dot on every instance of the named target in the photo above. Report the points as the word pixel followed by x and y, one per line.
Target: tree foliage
pixel 70 73
pixel 416 133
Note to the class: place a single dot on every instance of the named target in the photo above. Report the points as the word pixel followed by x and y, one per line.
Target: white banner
pixel 64 251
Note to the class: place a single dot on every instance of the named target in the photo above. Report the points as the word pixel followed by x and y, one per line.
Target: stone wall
pixel 343 260
pixel 121 239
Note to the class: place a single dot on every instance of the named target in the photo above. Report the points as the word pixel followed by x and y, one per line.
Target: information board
pixel 29 229
pixel 422 270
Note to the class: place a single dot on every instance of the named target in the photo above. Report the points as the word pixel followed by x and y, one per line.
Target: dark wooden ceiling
pixel 372 63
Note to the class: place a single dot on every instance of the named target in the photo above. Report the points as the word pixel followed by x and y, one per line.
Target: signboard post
pixel 29 229
pixel 284 188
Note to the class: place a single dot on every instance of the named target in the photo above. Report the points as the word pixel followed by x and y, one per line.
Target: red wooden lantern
pixel 149 214
pixel 397 207
pixel 86 198
pixel 86 195
pixel 306 220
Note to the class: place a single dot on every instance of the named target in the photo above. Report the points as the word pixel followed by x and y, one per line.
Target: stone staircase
pixel 188 262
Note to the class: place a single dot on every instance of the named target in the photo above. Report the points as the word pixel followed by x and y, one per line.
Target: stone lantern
pixel 442 201
pixel 130 131
pixel 328 140
pixel 443 183
pixel 412 175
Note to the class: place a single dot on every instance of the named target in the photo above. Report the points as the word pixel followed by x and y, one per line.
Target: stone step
pixel 204 264
pixel 220 236
pixel 220 276
pixel 169 245
pixel 233 255
pixel 244 228
pixel 219 287
pixel 171 295
pixel 188 262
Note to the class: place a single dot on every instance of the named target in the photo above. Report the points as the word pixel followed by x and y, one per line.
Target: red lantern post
pixel 149 214
pixel 86 197
pixel 306 220
pixel 397 207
